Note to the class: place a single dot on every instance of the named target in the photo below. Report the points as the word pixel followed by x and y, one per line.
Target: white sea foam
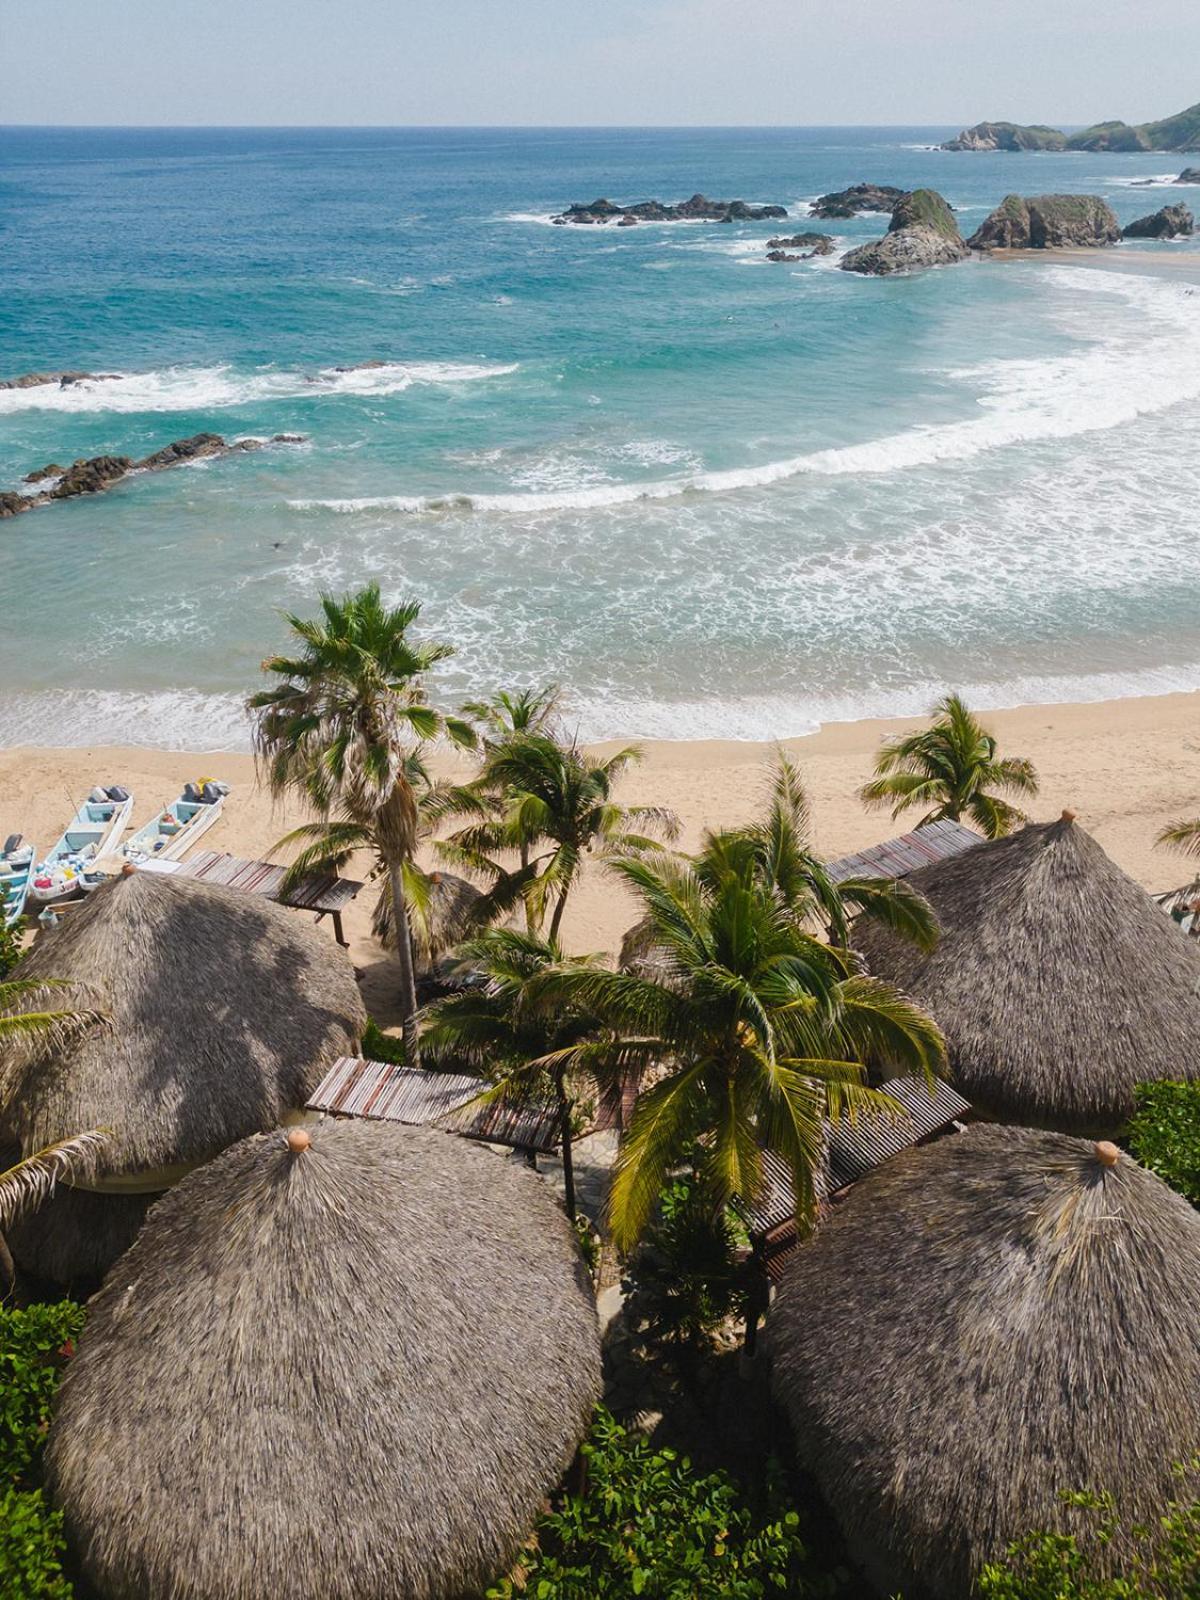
pixel 1150 181
pixel 162 719
pixel 216 387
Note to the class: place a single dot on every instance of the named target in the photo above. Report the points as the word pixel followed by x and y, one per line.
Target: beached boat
pixel 16 869
pixel 69 867
pixel 172 832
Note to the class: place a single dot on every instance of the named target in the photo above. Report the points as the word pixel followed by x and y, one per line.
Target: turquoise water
pixel 712 495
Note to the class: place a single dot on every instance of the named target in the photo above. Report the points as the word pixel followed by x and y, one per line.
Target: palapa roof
pixel 983 1323
pixel 225 1011
pixel 353 1369
pixel 1058 982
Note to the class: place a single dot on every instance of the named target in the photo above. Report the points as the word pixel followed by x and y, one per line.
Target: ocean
pixel 712 495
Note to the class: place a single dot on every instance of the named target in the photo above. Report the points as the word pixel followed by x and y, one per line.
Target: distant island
pixel 1178 133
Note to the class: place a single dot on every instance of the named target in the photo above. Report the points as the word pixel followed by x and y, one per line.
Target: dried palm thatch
pixel 442 915
pixel 1058 983
pixel 347 1361
pixel 983 1323
pixel 74 1237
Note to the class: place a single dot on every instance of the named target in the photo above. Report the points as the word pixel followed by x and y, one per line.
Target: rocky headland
pixel 1179 132
pixel 98 473
pixel 1188 175
pixel 1172 222
pixel 922 233
pixel 698 209
pixel 859 198
pixel 1047 222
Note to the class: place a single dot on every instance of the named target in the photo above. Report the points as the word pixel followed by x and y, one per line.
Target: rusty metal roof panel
pixel 896 858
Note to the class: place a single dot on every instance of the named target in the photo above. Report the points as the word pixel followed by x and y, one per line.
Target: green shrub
pixel 31 1546
pixel 685 1278
pixel 10 949
pixel 33 1344
pixel 1159 1560
pixel 649 1525
pixel 1165 1134
pixel 380 1046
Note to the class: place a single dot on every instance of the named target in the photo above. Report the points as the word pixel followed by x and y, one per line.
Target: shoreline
pixel 1125 766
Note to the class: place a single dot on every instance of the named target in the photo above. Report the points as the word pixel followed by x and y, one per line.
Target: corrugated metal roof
pixel 354 1087
pixel 854 1149
pixel 896 858
pixel 324 891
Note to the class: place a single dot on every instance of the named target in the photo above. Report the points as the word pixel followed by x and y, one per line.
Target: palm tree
pixel 552 805
pixel 512 1026
pixel 512 713
pixel 30 1021
pixel 1183 836
pixel 339 728
pixel 759 1029
pixel 953 768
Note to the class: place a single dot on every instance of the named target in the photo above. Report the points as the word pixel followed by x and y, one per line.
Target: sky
pixel 596 62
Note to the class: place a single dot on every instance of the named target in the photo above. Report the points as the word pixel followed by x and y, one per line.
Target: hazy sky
pixel 596 61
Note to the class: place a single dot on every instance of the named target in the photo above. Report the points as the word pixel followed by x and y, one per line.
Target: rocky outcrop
pixel 1110 136
pixel 858 198
pixel 98 473
pixel 698 209
pixel 816 244
pixel 922 233
pixel 1047 222
pixel 1007 136
pixel 64 380
pixel 1188 175
pixel 1172 222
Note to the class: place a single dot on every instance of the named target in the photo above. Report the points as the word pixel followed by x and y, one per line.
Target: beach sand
pixel 1125 766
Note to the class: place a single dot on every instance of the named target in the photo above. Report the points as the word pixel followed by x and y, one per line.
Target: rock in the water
pixel 858 198
pixel 627 222
pixel 287 438
pixel 698 209
pixel 818 244
pixel 193 449
pixel 89 477
pixel 1172 222
pixel 783 255
pixel 34 380
pixel 1189 175
pixel 1047 222
pixel 1007 136
pixel 922 233
pixel 12 505
pixel 51 470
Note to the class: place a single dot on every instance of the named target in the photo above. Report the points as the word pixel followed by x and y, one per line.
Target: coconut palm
pixel 512 713
pixel 551 804
pixel 340 728
pixel 1183 836
pixel 953 768
pixel 29 1019
pixel 760 1031
pixel 512 1025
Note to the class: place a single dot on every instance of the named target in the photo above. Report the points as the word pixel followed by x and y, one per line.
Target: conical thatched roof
pixel 1058 983
pixel 225 1011
pixel 350 1370
pixel 982 1324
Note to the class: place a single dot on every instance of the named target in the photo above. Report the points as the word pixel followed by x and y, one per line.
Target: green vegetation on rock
pixel 1165 1134
pixel 924 208
pixel 1178 132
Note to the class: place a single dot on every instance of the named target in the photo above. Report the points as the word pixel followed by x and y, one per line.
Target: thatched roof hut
pixel 225 1012
pixel 1058 983
pixel 983 1323
pixel 323 1373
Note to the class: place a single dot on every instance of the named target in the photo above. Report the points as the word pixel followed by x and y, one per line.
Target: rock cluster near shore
pixel 1047 222
pixel 1172 222
pixel 799 247
pixel 922 233
pixel 698 209
pixel 64 380
pixel 860 197
pixel 98 473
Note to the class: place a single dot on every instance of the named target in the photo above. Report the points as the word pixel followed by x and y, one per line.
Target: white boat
pixel 69 868
pixel 172 832
pixel 16 869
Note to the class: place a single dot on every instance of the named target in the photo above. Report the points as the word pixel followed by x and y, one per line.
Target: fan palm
pixel 339 727
pixel 552 804
pixel 760 1030
pixel 513 713
pixel 527 1039
pixel 953 768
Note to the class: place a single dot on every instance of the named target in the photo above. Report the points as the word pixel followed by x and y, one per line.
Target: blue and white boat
pixel 69 868
pixel 16 869
pixel 172 832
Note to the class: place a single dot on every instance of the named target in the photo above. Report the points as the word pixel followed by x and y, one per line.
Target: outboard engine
pixel 117 794
pixel 191 794
pixel 13 842
pixel 211 793
pixel 98 796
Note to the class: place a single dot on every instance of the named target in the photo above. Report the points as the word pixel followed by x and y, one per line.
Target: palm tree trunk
pixel 8 1270
pixel 404 954
pixel 568 1157
pixel 556 919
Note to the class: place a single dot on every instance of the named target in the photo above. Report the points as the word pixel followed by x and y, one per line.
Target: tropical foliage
pixel 686 1277
pixel 648 1524
pixel 952 769
pixel 758 1031
pixel 1183 835
pixel 1164 1134
pixel 32 1018
pixel 340 727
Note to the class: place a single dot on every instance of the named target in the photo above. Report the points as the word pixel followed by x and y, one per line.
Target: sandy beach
pixel 1125 766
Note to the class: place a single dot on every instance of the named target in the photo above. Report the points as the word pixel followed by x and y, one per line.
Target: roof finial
pixel 1068 815
pixel 128 869
pixel 1107 1153
pixel 298 1140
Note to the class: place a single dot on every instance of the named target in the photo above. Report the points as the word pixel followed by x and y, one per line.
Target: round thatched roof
pixel 225 1012
pixel 1058 983
pixel 353 1370
pixel 73 1238
pixel 983 1323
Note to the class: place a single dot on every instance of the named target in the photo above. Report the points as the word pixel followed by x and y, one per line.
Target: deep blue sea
pixel 710 494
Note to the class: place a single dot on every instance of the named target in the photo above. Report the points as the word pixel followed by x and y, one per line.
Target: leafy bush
pixel 34 1346
pixel 649 1525
pixel 1165 1134
pixel 10 949
pixel 380 1046
pixel 685 1278
pixel 1160 1560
